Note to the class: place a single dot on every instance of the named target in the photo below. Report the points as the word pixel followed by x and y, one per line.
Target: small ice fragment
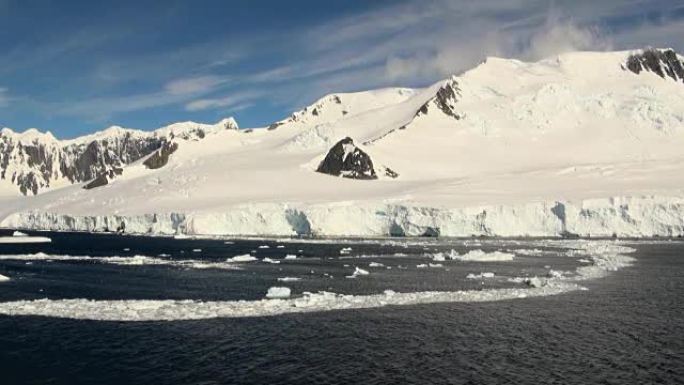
pixel 19 234
pixel 127 249
pixel 280 247
pixel 435 265
pixel 228 242
pixel 288 279
pixel 278 292
pixel 375 264
pixel 345 250
pixel 481 275
pixel 163 255
pixel 269 260
pixel 196 250
pixel 4 278
pixel 290 256
pixel 420 266
pixel 264 247
pixel 389 293
pixel 438 257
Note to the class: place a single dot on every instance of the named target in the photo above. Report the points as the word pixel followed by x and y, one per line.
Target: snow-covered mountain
pixel 585 143
pixel 32 162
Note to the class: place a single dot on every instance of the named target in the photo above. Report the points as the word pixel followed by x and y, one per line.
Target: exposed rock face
pixel 346 160
pixel 445 100
pixel 33 161
pixel 161 157
pixel 661 62
pixel 103 179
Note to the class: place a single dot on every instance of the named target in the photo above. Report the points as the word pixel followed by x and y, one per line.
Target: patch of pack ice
pixel 478 255
pixel 24 239
pixel 136 260
pixel 173 310
pixel 605 256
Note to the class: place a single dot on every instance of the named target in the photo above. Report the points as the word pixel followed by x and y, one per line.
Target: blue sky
pixel 75 66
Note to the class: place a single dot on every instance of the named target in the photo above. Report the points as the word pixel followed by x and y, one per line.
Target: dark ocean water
pixel 627 329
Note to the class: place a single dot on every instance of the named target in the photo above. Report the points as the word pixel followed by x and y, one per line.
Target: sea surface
pixel 627 328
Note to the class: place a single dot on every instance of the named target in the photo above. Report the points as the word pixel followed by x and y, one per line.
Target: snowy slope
pixel 579 143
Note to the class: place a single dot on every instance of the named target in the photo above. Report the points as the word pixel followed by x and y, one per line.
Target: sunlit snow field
pixel 390 291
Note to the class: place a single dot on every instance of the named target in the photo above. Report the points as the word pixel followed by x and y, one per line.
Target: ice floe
pixel 480 276
pixel 288 279
pixel 242 258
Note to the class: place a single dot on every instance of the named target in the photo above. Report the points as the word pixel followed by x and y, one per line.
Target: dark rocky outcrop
pixel 160 157
pixel 346 160
pixel 103 179
pixel 33 160
pixel 445 100
pixel 664 63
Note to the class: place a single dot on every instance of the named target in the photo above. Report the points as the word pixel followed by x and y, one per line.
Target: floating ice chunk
pixel 289 279
pixel 481 256
pixel 400 254
pixel 228 243
pixel 554 274
pixel 389 292
pixel 345 250
pixel 420 266
pixel 375 264
pixel 127 249
pixel 280 247
pixel 4 278
pixel 290 256
pixel 196 250
pixel 269 260
pixel 163 255
pixel 19 234
pixel 277 292
pixel 480 276
pixel 438 257
pixel 242 258
pixel 535 282
pixel 435 265
pixel 357 272
pixel 181 236
pixel 264 247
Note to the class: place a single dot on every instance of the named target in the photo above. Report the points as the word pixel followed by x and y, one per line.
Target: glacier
pixel 619 216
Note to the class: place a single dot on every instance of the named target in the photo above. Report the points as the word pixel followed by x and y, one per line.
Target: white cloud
pixel 237 101
pixel 194 85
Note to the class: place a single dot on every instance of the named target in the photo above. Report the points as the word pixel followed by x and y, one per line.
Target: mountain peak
pixel 662 62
